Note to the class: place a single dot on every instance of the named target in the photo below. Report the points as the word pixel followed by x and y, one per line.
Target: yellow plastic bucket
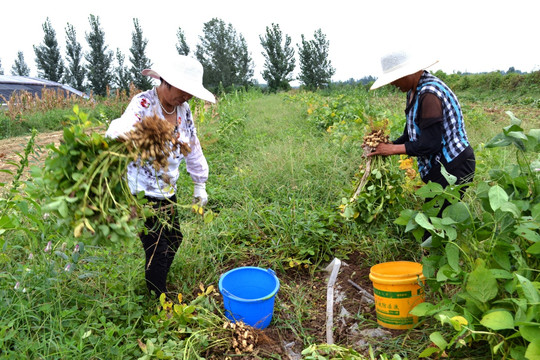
pixel 397 287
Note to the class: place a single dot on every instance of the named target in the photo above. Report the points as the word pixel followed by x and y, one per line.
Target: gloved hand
pixel 199 194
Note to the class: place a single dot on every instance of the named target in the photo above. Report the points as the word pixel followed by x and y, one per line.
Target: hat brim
pixel 191 88
pixel 403 71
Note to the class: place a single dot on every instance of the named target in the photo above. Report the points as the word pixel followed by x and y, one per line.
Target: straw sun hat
pixel 396 65
pixel 184 73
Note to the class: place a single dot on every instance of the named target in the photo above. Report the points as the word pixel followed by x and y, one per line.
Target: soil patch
pixel 12 149
pixel 301 306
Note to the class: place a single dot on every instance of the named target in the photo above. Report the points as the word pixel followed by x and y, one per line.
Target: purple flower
pixel 17 286
pixel 76 250
pixel 30 256
pixel 68 267
pixel 48 248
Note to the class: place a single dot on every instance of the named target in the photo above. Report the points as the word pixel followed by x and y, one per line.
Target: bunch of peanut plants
pixel 82 183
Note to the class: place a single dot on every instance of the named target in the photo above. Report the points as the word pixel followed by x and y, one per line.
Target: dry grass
pixel 23 102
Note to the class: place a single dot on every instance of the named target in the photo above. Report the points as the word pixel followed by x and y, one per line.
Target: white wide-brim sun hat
pixel 398 64
pixel 184 73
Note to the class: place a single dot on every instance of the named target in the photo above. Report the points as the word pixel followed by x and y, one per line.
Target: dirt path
pixel 10 148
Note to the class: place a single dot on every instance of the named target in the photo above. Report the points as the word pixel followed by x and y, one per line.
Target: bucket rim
pixel 225 292
pixel 416 268
pixel 415 273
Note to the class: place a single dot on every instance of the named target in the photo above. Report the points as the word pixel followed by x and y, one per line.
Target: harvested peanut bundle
pixel 371 140
pixel 244 336
pixel 153 140
pixel 374 138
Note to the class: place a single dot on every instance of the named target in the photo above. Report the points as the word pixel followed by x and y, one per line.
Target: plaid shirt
pixel 143 177
pixel 454 138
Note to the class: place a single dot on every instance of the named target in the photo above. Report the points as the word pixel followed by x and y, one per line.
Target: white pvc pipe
pixel 334 267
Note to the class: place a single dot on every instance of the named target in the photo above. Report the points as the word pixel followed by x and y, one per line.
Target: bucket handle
pixel 228 294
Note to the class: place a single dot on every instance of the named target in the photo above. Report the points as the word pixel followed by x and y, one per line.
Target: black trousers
pixel 463 169
pixel 160 244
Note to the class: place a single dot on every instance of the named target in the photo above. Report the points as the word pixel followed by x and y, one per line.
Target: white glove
pixel 199 194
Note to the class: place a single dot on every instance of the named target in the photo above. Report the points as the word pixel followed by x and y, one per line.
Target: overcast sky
pixel 471 35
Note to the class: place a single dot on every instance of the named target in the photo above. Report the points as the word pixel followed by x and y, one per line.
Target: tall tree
pixel 122 77
pixel 138 58
pixel 244 64
pixel 75 72
pixel 19 67
pixel 48 59
pixel 99 58
pixel 224 56
pixel 315 68
pixel 278 59
pixel 182 46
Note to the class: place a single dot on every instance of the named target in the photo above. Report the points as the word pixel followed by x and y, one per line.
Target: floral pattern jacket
pixel 143 176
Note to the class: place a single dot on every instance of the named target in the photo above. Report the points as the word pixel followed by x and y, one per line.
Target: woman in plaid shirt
pixel 434 130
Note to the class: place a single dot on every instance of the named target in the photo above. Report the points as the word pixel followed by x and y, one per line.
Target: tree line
pixel 221 50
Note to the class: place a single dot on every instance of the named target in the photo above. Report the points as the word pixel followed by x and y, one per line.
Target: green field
pixel 280 167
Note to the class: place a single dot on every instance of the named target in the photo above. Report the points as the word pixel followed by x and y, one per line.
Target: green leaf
pixel 535 133
pixel 511 208
pixel 517 352
pixel 422 220
pixel 451 179
pixel 6 222
pixel 428 352
pixel 438 340
pixel 499 140
pixel 498 320
pixel 530 332
pixel 447 273
pixel 500 255
pixel 533 350
pixel 481 284
pixel 529 291
pixel 517 135
pixel 527 233
pixel 411 225
pixel 404 217
pixel 63 209
pixel 535 212
pixel 431 189
pixel 512 128
pixel 497 347
pixel 161 355
pixel 513 119
pixel 150 347
pixel 534 249
pixel 459 212
pixel 427 243
pixel 53 205
pixel 422 309
pixel 452 256
pixel 497 196
pixel 501 274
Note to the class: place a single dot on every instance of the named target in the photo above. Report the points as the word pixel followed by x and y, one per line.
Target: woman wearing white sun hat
pixel 180 80
pixel 434 130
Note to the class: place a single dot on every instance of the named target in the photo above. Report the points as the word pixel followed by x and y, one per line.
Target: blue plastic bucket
pixel 248 295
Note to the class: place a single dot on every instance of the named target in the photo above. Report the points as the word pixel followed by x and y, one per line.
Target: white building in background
pixel 10 84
